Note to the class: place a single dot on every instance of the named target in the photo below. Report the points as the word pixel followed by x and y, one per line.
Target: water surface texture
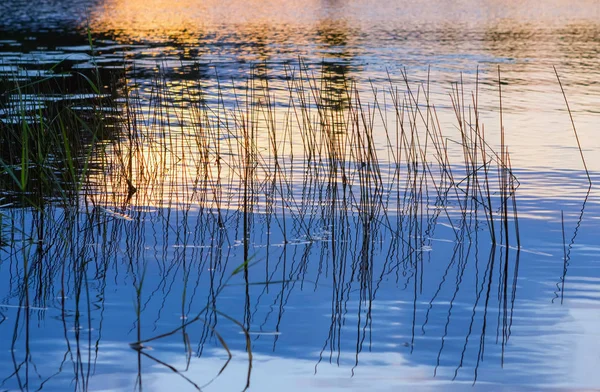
pixel 300 195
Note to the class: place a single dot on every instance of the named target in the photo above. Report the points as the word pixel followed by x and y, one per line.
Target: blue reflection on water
pixel 326 321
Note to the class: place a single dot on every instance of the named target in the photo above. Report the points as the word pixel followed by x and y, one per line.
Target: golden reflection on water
pixel 360 41
pixel 183 20
pixel 208 157
pixel 214 12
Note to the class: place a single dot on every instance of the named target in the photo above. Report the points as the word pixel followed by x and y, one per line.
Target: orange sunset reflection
pixel 354 42
pixel 181 20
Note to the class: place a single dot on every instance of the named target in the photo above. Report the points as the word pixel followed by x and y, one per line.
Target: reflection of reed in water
pixel 282 192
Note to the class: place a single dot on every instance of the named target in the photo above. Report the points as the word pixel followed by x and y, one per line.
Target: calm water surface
pixel 378 281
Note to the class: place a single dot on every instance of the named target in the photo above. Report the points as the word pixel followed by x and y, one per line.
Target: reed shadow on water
pixel 224 205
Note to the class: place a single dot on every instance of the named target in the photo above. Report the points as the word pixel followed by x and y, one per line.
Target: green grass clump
pixel 49 130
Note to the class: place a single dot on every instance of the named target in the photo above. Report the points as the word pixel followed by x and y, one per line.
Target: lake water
pixel 304 185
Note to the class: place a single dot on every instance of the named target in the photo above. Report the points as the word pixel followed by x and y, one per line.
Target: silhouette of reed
pixel 188 194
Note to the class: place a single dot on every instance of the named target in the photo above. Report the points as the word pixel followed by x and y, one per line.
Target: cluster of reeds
pixel 310 159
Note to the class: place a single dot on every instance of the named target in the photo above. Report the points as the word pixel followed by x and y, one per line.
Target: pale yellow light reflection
pixel 210 157
pixel 183 20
